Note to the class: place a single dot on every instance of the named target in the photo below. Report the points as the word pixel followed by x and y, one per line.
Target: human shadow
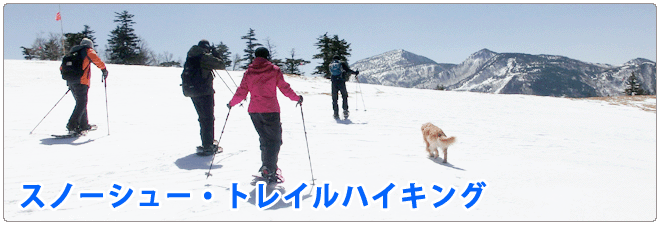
pixel 440 162
pixel 194 161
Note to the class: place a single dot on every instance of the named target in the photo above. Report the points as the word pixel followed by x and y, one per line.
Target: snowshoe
pixel 271 177
pixel 209 150
pixel 71 134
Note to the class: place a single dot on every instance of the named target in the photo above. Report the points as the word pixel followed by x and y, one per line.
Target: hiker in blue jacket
pixel 340 73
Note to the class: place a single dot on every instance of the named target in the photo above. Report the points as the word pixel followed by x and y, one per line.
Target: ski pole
pixel 51 109
pixel 361 95
pixel 223 81
pixel 307 142
pixel 107 115
pixel 232 79
pixel 223 132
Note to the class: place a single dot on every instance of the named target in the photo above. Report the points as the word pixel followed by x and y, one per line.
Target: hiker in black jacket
pixel 197 84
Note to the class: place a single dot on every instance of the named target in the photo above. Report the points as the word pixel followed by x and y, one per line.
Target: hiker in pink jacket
pixel 262 79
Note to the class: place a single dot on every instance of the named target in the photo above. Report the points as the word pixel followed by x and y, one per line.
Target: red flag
pixel 58 17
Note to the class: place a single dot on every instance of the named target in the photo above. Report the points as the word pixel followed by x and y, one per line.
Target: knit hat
pixel 336 57
pixel 87 42
pixel 262 52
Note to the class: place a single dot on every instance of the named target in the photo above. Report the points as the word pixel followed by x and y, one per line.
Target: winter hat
pixel 87 42
pixel 262 52
pixel 204 44
pixel 336 57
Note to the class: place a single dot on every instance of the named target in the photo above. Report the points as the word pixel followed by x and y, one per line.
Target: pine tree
pixel 73 39
pixel 29 53
pixel 330 47
pixel 52 49
pixel 225 55
pixel 251 47
pixel 123 43
pixel 633 87
pixel 291 64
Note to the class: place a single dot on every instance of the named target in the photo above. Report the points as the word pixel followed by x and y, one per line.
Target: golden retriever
pixel 435 138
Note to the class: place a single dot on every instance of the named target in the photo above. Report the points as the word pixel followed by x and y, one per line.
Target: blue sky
pixel 446 33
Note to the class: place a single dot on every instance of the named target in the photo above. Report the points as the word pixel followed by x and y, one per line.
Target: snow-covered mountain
pixel 400 68
pixel 510 73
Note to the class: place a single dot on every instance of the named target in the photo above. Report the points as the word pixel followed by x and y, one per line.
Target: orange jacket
pixel 91 55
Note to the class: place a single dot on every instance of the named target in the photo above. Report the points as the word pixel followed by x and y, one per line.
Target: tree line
pixel 127 48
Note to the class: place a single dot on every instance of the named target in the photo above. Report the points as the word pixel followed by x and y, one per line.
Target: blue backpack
pixel 336 69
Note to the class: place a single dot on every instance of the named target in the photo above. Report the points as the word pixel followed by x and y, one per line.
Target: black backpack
pixel 71 67
pixel 191 75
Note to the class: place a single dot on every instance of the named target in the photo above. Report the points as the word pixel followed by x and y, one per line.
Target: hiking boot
pixel 346 113
pixel 336 115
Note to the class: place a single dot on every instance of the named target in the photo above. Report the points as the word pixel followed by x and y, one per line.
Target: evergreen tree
pixel 330 47
pixel 291 64
pixel 225 55
pixel 251 47
pixel 633 87
pixel 29 53
pixel 73 39
pixel 52 49
pixel 123 43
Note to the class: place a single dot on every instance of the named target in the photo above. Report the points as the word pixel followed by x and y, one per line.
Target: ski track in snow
pixel 543 158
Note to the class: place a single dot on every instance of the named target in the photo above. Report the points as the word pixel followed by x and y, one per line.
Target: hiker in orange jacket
pixel 78 121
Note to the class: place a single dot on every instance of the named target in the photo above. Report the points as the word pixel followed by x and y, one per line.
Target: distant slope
pixel 507 73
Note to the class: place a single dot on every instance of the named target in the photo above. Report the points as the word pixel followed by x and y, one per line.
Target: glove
pixel 228 106
pixel 105 74
pixel 215 53
pixel 300 101
pixel 357 72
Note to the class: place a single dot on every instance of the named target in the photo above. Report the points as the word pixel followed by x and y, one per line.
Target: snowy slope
pixel 542 158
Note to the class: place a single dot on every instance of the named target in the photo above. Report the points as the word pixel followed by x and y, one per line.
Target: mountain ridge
pixel 507 73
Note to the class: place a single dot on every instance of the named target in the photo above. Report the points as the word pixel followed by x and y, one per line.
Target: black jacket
pixel 197 75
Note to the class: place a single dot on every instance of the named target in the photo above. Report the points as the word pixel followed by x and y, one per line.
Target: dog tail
pixel 448 140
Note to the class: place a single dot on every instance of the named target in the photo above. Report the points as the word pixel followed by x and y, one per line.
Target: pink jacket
pixel 260 80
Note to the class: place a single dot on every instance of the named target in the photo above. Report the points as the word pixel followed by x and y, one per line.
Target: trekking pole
pixel 307 142
pixel 361 95
pixel 356 98
pixel 107 115
pixel 223 132
pixel 232 79
pixel 51 109
pixel 223 81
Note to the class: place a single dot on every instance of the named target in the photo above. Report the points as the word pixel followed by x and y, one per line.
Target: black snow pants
pixel 78 119
pixel 339 86
pixel 269 128
pixel 204 106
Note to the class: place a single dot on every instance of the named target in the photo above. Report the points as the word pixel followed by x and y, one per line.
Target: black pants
pixel 204 106
pixel 269 128
pixel 78 119
pixel 339 86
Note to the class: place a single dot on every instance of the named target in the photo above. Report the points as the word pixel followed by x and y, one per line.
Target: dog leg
pixel 445 153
